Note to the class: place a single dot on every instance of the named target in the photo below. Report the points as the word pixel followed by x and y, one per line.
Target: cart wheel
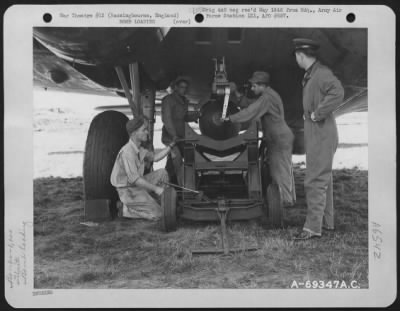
pixel 168 204
pixel 274 205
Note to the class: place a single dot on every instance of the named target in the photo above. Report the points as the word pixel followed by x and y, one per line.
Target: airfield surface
pixel 135 254
pixel 61 122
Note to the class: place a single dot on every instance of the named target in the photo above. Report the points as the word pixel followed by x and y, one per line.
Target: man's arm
pixel 245 102
pixel 166 115
pixel 255 110
pixel 144 184
pixel 162 153
pixel 334 93
pixel 192 116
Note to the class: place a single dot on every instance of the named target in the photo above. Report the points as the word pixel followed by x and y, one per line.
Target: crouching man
pixel 139 194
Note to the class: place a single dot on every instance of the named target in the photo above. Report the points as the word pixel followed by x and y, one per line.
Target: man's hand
pixel 159 190
pixel 197 115
pixel 313 117
pixel 172 144
pixel 174 141
pixel 226 119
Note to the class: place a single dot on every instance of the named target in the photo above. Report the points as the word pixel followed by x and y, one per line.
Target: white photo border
pixel 19 21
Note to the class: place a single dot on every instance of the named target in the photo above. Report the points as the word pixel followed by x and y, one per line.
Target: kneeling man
pixel 139 194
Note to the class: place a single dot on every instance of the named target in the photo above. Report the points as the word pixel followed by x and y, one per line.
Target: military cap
pixel 302 43
pixel 260 77
pixel 134 124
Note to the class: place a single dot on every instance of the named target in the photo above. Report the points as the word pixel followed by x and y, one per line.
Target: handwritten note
pixel 16 254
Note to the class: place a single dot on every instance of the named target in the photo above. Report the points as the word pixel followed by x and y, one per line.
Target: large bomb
pixel 210 123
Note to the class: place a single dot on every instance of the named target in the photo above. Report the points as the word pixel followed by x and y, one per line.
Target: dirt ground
pixel 135 254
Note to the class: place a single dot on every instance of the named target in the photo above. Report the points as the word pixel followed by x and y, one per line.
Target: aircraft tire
pixel 106 136
pixel 168 205
pixel 274 205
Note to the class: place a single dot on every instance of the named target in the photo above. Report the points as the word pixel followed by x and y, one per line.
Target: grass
pixel 126 253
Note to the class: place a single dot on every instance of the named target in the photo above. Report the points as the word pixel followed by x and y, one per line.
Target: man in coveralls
pixel 174 114
pixel 276 133
pixel 139 194
pixel 322 94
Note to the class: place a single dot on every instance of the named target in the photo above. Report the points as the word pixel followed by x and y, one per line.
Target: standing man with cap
pixel 174 114
pixel 322 94
pixel 276 133
pixel 138 193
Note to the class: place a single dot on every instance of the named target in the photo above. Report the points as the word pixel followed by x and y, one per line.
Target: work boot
pixel 288 204
pixel 305 235
pixel 120 207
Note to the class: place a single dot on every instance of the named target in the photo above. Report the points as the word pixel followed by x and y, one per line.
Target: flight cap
pixel 260 77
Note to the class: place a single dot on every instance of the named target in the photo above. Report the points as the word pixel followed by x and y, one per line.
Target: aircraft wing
pixel 84 59
pixel 52 72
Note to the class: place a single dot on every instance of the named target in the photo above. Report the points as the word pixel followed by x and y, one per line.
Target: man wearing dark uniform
pixel 174 114
pixel 276 133
pixel 322 94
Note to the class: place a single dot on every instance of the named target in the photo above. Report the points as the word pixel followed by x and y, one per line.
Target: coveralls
pixel 174 114
pixel 278 138
pixel 322 94
pixel 128 167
